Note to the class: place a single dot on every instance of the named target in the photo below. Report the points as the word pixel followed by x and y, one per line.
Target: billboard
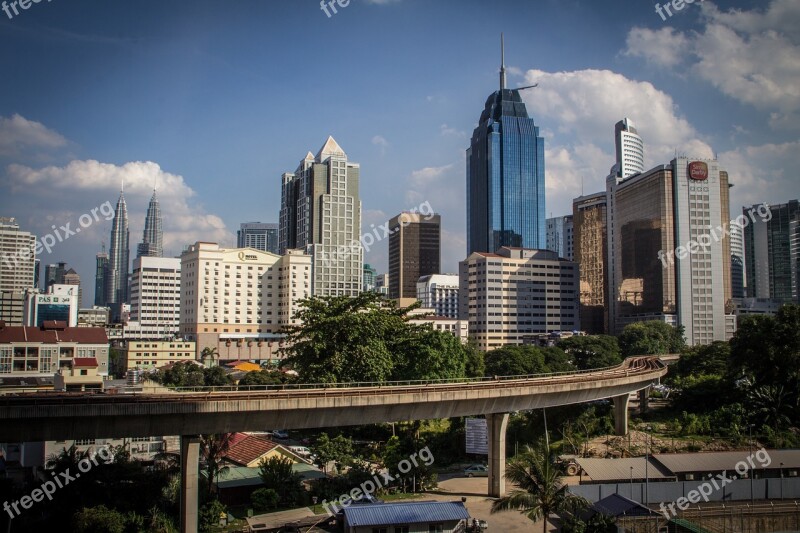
pixel 698 170
pixel 477 436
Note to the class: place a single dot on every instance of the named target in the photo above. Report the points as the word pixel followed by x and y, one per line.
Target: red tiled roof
pixel 48 335
pixel 247 450
pixel 85 362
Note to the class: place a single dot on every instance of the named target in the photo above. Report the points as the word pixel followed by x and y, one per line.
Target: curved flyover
pixel 61 416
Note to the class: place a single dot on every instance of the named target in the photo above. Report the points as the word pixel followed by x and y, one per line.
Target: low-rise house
pixel 415 517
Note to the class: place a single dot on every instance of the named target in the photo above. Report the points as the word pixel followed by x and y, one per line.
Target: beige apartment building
pixel 149 355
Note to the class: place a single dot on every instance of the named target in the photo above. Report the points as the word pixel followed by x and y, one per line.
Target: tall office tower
pixel 560 236
pixel 768 251
pixel 153 238
pixel 440 293
pixel 665 262
pixel 36 272
pixel 629 149
pixel 54 274
pixel 321 214
pixel 101 278
pixel 369 277
pixel 155 297
pixel 737 261
pixel 260 236
pixel 72 278
pixel 414 251
pixel 118 263
pixel 505 176
pixel 515 296
pixel 590 239
pixel 794 256
pixel 17 266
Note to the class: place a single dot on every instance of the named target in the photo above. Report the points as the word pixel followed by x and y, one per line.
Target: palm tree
pixel 207 354
pixel 213 448
pixel 772 405
pixel 539 491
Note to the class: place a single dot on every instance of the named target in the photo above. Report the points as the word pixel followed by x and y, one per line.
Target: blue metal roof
pixel 404 513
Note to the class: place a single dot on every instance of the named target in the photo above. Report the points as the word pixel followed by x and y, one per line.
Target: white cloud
pixel 447 131
pixel 381 142
pixel 759 173
pixel 751 56
pixel 17 133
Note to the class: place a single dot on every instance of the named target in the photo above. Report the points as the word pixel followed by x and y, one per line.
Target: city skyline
pixel 411 126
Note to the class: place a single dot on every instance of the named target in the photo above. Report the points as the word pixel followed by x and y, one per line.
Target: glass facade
pixel 505 178
pixel 770 268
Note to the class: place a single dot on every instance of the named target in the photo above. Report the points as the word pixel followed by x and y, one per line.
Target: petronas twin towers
pixel 115 279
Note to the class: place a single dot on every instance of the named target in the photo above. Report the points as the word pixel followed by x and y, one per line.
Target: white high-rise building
pixel 630 149
pixel 440 293
pixel 321 214
pixel 155 298
pixel 17 269
pixel 560 236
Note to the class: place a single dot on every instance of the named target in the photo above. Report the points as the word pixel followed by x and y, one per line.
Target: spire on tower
pixel 502 62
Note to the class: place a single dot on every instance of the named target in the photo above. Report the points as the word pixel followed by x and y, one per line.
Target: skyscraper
pixel 629 149
pixel 54 274
pixel 560 236
pixel 260 236
pixel 770 268
pixel 321 214
pixel 414 251
pixel 73 278
pixel 590 239
pixel 17 266
pixel 118 263
pixel 152 240
pixel 505 176
pixel 737 261
pixel 101 278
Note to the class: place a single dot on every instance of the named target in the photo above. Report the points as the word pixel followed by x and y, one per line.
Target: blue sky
pixel 214 100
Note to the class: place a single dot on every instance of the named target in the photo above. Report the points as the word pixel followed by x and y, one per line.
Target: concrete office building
pixel 590 241
pixel 439 292
pixel 512 296
pixel 414 251
pixel 629 149
pixel 259 236
pixel 17 268
pixel 240 295
pixel 60 303
pixel 771 252
pixel 151 354
pixel 101 279
pixel 155 297
pixel 560 236
pixel 737 261
pixel 321 215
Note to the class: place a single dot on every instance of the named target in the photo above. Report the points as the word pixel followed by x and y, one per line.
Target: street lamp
pixel 781 481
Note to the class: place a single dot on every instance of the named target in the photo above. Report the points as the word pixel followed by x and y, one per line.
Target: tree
pixel 540 492
pixel 209 515
pixel 527 359
pixel 277 474
pixel 431 355
pixel 768 348
pixel 98 519
pixel 215 377
pixel 213 448
pixel 651 338
pixel 265 499
pixel 338 449
pixel 208 356
pixel 475 366
pixel 592 351
pixel 262 377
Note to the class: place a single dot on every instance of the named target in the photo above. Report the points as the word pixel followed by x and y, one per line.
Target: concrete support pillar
pixel 496 425
pixel 621 414
pixel 644 400
pixel 190 465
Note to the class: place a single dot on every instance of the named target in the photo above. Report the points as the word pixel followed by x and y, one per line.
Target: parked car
pixel 477 471
pixel 280 434
pixel 302 451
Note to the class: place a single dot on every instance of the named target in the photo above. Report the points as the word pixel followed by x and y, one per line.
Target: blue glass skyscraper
pixel 505 176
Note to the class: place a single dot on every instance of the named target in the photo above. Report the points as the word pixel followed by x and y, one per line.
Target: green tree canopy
pixel 651 338
pixel 339 450
pixel 278 475
pixel 516 360
pixel 99 519
pixel 592 351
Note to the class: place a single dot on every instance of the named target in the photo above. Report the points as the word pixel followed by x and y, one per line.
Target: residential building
pixel 119 253
pixel 458 328
pixel 439 292
pixel 321 214
pixel 772 268
pixel 60 304
pixel 629 149
pixel 155 297
pixel 560 236
pixel 590 245
pixel 241 296
pixel 17 269
pixel 505 176
pixel 259 236
pixel 515 294
pixel 414 251
pixel 653 219
pixel 32 351
pixel 152 244
pixel 139 448
pixel 82 376
pixel 152 354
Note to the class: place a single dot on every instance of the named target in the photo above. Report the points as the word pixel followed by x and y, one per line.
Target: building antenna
pixel 502 62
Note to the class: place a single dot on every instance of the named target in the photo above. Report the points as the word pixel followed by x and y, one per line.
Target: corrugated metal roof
pixel 620 469
pixel 719 461
pixel 688 526
pixel 617 505
pixel 404 513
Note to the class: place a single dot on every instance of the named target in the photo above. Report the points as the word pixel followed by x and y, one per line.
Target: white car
pixel 280 434
pixel 302 451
